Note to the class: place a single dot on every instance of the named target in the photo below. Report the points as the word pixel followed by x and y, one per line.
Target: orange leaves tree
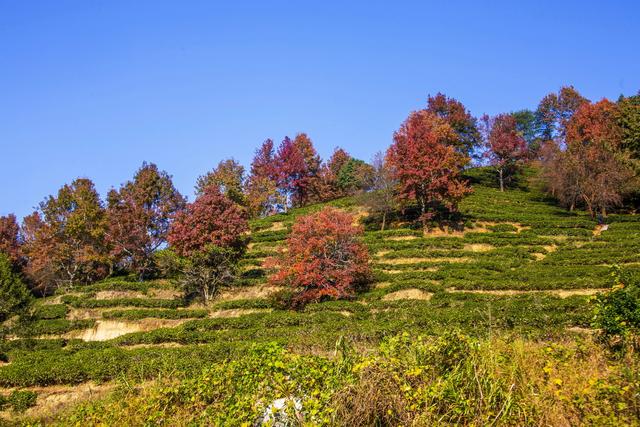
pixel 427 165
pixel 65 239
pixel 325 258
pixel 211 233
pixel 592 171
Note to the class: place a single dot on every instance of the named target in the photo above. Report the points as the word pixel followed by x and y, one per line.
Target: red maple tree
pixel 261 189
pixel 325 258
pixel 426 164
pixel 297 169
pixel 506 147
pixel 64 240
pixel 211 219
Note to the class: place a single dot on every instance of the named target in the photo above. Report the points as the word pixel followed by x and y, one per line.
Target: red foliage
pixel 297 169
pixel 211 219
pixel 459 118
pixel 261 187
pixel 592 171
pixel 139 216
pixel 506 146
pixel 426 164
pixel 9 238
pixel 595 123
pixel 325 258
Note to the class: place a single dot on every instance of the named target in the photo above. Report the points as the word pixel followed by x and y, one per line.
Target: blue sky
pixel 93 88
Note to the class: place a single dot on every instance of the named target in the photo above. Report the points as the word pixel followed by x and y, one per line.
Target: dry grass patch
pixel 52 400
pixel 107 295
pixel 253 292
pixel 478 247
pixel 400 261
pixel 165 293
pixel 381 285
pixel 276 226
pixel 408 294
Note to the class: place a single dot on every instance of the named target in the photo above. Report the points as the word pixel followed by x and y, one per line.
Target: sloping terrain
pixel 520 265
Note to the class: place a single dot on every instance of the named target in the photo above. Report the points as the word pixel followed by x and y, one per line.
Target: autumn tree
pixel 505 146
pixel 427 165
pixel 325 258
pixel 381 199
pixel 139 215
pixel 64 240
pixel 261 187
pixel 229 177
pixel 14 295
pixel 555 110
pixel 10 238
pixel 592 170
pixel 297 168
pixel 459 118
pixel 212 234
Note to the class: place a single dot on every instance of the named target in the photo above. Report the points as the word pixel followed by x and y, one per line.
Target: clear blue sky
pixel 93 88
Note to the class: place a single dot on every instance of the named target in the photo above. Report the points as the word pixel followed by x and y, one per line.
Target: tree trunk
pixel 384 220
pixel 500 173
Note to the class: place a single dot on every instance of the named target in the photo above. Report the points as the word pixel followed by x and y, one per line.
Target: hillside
pixel 520 267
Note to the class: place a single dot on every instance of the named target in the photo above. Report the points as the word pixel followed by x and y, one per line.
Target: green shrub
pixel 28 328
pixel 21 400
pixel 50 311
pixel 159 314
pixel 14 295
pixel 617 312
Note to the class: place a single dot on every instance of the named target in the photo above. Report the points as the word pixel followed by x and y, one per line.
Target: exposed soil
pixel 109 329
pixel 408 294
pixel 252 292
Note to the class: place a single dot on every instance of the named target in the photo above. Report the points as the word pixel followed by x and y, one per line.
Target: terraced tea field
pixel 520 266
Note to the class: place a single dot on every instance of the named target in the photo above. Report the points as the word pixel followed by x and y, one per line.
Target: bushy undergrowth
pixel 87 302
pixel 411 380
pixel 18 400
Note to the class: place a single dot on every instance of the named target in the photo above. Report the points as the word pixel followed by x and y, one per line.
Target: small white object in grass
pixel 276 414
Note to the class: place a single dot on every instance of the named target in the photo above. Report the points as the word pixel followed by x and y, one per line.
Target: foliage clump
pixel 325 258
pixel 617 312
pixel 211 233
pixel 14 295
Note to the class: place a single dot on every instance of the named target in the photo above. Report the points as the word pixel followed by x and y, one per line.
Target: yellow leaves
pixel 557 381
pixel 413 372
